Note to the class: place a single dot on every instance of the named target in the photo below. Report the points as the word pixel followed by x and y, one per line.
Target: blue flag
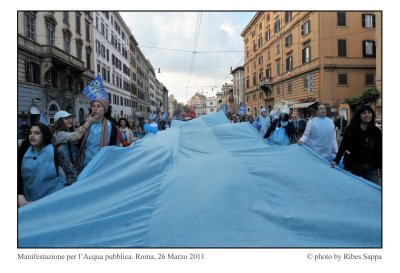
pixel 95 89
pixel 225 108
pixel 242 109
pixel 42 118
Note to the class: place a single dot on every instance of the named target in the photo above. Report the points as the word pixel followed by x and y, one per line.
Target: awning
pixel 303 105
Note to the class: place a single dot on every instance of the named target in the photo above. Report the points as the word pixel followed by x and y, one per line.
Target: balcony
pixel 265 84
pixel 63 57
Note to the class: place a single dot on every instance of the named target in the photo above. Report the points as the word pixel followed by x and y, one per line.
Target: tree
pixel 368 96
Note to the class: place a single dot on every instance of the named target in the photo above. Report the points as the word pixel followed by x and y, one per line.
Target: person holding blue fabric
pixel 101 132
pixel 281 129
pixel 63 136
pixel 361 146
pixel 38 174
pixel 127 137
pixel 320 134
pixel 262 122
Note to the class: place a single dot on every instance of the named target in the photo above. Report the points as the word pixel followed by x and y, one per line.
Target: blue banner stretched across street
pixel 207 183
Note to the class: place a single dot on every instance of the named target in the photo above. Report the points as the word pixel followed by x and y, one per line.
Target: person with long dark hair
pixel 64 138
pixel 362 146
pixel 126 135
pixel 38 174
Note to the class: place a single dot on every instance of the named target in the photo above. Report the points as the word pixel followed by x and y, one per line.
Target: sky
pixel 168 40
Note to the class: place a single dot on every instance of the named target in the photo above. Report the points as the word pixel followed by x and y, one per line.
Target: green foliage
pixel 368 96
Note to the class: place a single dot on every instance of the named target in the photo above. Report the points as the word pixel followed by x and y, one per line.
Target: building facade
pixel 238 86
pixel 55 63
pixel 300 58
pixel 171 105
pixel 198 103
pixel 211 105
pixel 134 94
pixel 142 84
pixel 228 98
pixel 112 61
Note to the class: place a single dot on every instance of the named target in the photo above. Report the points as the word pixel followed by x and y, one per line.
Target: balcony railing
pixel 55 52
pixel 265 84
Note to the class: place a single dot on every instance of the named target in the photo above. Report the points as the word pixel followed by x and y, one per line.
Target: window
pixel 289 87
pixel 79 51
pixel 32 71
pixel 368 20
pixel 289 63
pixel 260 60
pixel 30 26
pixel 288 40
pixel 278 90
pixel 254 79
pixel 253 33
pixel 342 51
pixel 259 42
pixel 254 64
pixel 51 78
pixel 268 55
pixel 87 32
pixel 103 51
pixel 97 22
pixel 268 17
pixel 88 59
pixel 268 71
pixel 66 17
pixel 254 47
pixel 247 83
pixel 369 79
pixel 267 35
pixel 50 30
pixel 103 32
pixel 278 48
pixel 342 79
pixel 305 28
pixel 288 16
pixel 278 67
pixel 98 69
pixel 78 24
pixel 260 26
pixel 277 26
pixel 305 82
pixel 306 53
pixel 260 76
pixel 341 18
pixel 369 49
pixel 67 44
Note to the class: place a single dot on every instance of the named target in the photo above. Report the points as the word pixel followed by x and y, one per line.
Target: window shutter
pixel 373 21
pixel 374 48
pixel 302 30
pixel 303 55
pixel 364 48
pixel 363 20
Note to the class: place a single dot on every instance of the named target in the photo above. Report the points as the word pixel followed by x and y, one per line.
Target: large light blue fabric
pixel 207 183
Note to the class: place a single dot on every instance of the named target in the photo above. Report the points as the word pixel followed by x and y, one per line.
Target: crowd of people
pixel 50 159
pixel 360 149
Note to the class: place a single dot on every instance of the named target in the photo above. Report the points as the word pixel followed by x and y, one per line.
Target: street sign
pixel 309 83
